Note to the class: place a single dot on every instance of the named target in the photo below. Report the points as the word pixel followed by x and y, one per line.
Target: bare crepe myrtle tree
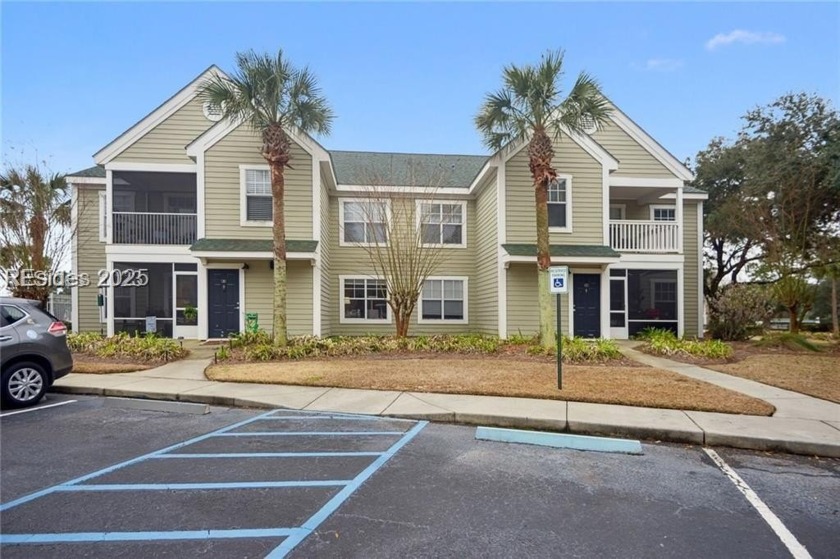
pixel 403 238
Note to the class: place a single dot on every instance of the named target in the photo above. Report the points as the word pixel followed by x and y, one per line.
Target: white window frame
pixel 663 207
pixel 569 213
pixel 103 217
pixel 341 202
pixel 418 214
pixel 341 317
pixel 622 207
pixel 465 282
pixel 243 196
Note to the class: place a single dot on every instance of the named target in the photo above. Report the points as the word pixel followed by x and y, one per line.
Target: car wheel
pixel 24 384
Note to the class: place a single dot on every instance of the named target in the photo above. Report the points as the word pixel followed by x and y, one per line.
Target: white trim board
pixel 157 116
pixel 645 182
pixel 139 166
pixel 596 260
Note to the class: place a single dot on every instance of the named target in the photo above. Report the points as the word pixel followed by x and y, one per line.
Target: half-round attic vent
pixel 212 112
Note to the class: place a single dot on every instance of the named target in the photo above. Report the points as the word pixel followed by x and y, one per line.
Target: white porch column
pixel 678 215
pixel 605 303
pixel 203 304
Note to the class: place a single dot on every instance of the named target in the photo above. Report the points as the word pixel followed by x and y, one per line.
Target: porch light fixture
pixel 245 266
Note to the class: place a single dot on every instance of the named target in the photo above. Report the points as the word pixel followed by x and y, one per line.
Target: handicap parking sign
pixel 558 279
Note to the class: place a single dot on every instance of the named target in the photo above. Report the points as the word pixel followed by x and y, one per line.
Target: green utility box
pixel 252 322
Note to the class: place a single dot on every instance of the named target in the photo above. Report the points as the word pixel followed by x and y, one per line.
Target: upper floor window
pixel 256 195
pixel 363 222
pixel 559 203
pixel 442 223
pixel 663 213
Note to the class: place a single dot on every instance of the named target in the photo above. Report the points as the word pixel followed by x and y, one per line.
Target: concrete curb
pixel 697 435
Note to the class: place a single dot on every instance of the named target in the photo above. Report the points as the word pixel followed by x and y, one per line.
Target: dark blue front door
pixel 587 301
pixel 223 303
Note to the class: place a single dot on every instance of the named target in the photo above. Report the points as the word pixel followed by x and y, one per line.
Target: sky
pixel 406 77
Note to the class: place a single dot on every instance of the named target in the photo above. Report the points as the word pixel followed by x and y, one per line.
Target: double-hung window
pixel 444 299
pixel 663 213
pixel 365 300
pixel 442 223
pixel 256 184
pixel 559 203
pixel 364 222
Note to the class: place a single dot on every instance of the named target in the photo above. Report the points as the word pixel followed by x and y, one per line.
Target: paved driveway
pixel 93 480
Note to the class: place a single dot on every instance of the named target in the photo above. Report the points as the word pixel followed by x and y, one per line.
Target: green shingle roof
pixel 97 171
pixel 250 245
pixel 597 251
pixel 692 190
pixel 405 169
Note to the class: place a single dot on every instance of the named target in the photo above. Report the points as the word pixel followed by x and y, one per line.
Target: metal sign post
pixel 558 284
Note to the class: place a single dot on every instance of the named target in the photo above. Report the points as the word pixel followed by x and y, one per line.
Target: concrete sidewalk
pixel 803 425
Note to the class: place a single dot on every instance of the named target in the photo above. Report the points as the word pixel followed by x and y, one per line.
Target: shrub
pixel 786 340
pixel 580 350
pixel 520 339
pixel 736 311
pixel 664 342
pixel 144 348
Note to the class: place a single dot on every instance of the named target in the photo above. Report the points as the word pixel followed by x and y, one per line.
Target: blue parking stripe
pixel 336 454
pixel 176 486
pixel 75 537
pixel 332 505
pixel 47 491
pixel 307 434
pixel 304 417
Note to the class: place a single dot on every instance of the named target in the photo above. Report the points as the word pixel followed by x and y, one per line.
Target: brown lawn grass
pixel 808 373
pixel 631 386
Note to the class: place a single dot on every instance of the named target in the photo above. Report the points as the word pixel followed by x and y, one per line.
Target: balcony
pixel 644 236
pixel 135 228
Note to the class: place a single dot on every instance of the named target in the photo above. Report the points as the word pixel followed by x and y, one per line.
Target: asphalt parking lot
pixel 243 483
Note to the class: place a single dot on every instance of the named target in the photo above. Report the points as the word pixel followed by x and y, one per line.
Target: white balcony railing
pixel 134 228
pixel 645 236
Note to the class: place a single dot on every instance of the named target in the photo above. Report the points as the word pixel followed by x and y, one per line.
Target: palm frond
pixel 584 107
pixel 268 89
pixel 531 99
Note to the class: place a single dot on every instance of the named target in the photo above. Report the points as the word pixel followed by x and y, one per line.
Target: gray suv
pixel 33 351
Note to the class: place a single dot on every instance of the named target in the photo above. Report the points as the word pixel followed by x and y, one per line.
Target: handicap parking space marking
pixel 292 535
pixel 796 549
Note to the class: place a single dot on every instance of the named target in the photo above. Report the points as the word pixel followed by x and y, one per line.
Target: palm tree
pixel 272 96
pixel 530 106
pixel 35 213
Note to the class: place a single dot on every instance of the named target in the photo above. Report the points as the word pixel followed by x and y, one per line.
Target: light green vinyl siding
pixel 484 291
pixel 166 142
pixel 90 257
pixel 691 276
pixel 633 159
pixel 259 295
pixel 355 261
pixel 523 311
pixel 222 188
pixel 325 245
pixel 587 196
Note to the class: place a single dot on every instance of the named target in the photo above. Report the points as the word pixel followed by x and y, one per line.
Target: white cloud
pixel 663 64
pixel 744 37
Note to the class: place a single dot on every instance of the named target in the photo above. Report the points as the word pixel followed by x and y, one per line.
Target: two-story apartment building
pixel 186 197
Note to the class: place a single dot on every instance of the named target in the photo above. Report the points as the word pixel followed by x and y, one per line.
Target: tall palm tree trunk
pixel 278 187
pixel 540 154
